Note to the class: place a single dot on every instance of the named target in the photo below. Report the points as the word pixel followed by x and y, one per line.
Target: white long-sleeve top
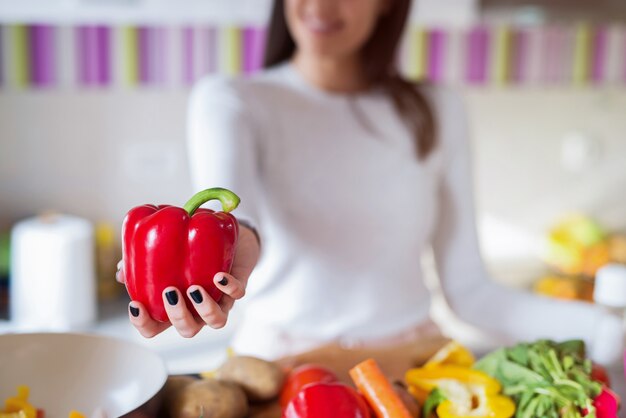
pixel 345 209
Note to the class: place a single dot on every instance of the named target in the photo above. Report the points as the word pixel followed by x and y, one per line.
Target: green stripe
pixel 131 55
pixel 21 57
pixel 502 70
pixel 582 55
pixel 417 53
pixel 233 50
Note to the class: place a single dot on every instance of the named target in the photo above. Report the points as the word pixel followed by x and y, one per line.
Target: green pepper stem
pixel 228 199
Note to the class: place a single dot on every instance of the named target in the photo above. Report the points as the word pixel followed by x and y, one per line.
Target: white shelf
pixel 222 12
pixel 240 12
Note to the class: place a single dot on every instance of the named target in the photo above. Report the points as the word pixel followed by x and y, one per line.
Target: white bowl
pixel 79 372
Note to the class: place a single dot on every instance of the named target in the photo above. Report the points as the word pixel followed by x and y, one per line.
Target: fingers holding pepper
pixel 229 285
pixel 178 314
pixel 140 319
pixel 210 311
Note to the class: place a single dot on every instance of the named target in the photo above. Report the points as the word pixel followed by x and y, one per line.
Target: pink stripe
pixel 160 60
pixel 520 56
pixel 103 55
pixel 436 54
pixel 552 54
pixel 253 48
pixel 598 63
pixel 624 55
pixel 188 59
pixel 81 42
pixel 209 50
pixel 477 55
pixel 1 57
pixel 86 57
pixel 42 55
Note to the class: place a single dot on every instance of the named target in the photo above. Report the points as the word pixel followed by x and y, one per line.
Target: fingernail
pixel 196 296
pixel 224 281
pixel 172 297
pixel 134 311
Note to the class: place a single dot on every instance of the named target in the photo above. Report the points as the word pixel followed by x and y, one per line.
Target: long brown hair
pixel 379 55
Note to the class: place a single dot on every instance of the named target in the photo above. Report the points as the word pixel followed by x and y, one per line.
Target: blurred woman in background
pixel 347 172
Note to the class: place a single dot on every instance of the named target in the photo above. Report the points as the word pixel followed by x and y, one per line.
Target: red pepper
pixel 300 377
pixel 606 404
pixel 321 400
pixel 171 246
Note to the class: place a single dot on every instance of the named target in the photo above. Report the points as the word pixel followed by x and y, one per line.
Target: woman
pixel 348 172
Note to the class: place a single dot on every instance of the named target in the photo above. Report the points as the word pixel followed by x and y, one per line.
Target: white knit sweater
pixel 344 210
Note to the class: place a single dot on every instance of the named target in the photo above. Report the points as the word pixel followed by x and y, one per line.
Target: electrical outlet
pixel 150 160
pixel 580 151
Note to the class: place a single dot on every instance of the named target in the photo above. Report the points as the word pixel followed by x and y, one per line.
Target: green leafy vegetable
pixel 544 378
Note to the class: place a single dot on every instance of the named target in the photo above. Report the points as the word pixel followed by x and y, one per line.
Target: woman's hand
pixel 211 313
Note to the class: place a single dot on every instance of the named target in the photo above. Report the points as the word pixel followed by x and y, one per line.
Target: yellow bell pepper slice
pixel 453 354
pixel 469 393
pixel 429 378
pixel 495 406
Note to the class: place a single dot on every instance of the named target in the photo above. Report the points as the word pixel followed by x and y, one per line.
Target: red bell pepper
pixel 321 400
pixel 171 246
pixel 300 377
pixel 606 403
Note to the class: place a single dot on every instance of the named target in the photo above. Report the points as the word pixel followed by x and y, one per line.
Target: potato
pixel 260 379
pixel 210 399
pixel 174 385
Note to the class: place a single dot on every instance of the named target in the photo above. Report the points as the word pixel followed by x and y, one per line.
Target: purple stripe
pixel 209 50
pixel 436 54
pixel 188 61
pixel 103 55
pixel 477 55
pixel 248 50
pixel 144 58
pixel 42 55
pixel 253 47
pixel 520 56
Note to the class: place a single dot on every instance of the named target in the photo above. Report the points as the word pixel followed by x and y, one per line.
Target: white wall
pixel 96 154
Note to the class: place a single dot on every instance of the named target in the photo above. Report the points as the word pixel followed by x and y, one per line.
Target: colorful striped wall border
pixel 101 56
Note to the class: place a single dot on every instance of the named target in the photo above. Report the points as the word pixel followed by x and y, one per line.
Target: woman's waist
pixel 276 336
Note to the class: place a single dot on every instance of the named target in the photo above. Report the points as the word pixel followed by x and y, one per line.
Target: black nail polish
pixel 134 311
pixel 172 297
pixel 196 296
pixel 224 281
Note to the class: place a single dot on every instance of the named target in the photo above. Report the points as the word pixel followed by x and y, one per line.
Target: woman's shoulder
pixel 445 100
pixel 240 90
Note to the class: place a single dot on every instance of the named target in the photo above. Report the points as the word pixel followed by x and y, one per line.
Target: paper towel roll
pixel 52 284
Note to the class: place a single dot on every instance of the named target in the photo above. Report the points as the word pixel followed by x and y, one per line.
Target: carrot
pixel 379 393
